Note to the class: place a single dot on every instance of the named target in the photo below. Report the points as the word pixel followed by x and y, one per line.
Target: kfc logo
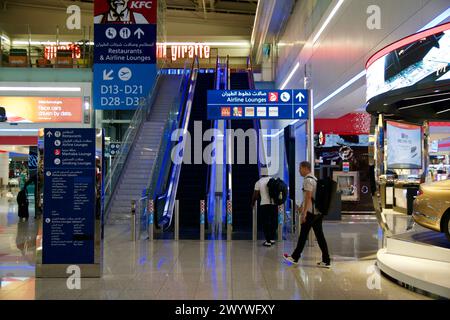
pixel 141 5
pixel 125 12
pixel 273 96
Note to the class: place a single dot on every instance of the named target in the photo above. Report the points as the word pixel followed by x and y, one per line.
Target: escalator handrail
pixel 176 167
pixel 212 170
pixel 229 167
pixel 158 172
pixel 216 87
pixel 257 123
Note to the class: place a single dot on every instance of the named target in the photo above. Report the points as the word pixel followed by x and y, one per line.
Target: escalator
pixel 244 176
pixel 193 177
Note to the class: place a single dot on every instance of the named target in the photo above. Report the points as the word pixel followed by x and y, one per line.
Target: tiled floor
pixel 166 269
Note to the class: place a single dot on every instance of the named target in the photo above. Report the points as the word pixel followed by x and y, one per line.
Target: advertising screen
pixel 42 109
pixel 404 146
pixel 422 61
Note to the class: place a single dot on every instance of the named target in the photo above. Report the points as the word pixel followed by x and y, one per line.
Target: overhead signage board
pixel 125 44
pixel 122 87
pixel 258 104
pixel 69 196
pixel 124 53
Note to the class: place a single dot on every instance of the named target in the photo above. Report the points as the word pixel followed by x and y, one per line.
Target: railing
pixel 212 198
pixel 119 162
pixel 144 217
pixel 176 168
pixel 163 164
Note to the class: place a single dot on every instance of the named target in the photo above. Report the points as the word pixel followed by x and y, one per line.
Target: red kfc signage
pixel 125 11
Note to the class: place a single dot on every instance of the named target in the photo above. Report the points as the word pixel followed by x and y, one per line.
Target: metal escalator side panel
pixel 167 215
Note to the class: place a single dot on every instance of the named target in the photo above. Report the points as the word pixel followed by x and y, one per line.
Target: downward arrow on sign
pixel 107 75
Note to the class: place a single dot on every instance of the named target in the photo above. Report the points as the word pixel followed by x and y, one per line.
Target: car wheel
pixel 446 225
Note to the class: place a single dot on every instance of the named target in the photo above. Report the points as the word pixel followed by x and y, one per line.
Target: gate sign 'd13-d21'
pixel 258 104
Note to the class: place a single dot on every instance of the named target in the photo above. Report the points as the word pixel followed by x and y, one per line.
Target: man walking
pixel 268 209
pixel 309 218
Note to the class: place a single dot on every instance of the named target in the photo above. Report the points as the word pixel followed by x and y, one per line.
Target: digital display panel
pixel 423 61
pixel 404 146
pixel 42 109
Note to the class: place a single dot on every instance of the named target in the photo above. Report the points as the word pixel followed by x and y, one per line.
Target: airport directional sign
pixel 258 104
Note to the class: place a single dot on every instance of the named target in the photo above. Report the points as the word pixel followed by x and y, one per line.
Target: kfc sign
pixel 183 51
pixel 141 5
pixel 125 11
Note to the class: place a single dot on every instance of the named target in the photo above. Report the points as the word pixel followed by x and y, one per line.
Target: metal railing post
pixel 229 220
pixel 292 216
pixel 297 224
pixel 177 220
pixel 280 222
pixel 151 218
pixel 202 220
pixel 133 220
pixel 255 224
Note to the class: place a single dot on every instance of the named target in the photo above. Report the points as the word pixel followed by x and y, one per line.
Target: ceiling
pixel 185 19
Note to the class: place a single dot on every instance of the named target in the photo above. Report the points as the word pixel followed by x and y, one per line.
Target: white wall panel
pixel 346 44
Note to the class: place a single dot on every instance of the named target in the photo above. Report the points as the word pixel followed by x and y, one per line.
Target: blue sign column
pixel 124 55
pixel 258 104
pixel 69 196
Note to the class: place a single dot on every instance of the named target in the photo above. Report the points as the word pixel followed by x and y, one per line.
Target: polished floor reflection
pixel 166 269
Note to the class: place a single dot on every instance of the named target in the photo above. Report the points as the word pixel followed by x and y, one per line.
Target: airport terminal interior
pixel 182 150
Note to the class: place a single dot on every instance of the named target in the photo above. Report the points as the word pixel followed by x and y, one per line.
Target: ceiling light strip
pixel 328 20
pixel 422 104
pixel 443 111
pixel 427 96
pixel 290 76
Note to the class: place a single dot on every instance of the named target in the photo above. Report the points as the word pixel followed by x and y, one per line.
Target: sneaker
pixel 272 241
pixel 289 259
pixel 324 265
pixel 267 244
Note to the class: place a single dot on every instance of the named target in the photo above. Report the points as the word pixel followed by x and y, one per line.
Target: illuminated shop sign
pixel 183 51
pixel 418 59
pixel 50 51
pixel 42 109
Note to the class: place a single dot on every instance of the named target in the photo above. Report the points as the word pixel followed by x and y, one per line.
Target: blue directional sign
pixel 125 44
pixel 122 87
pixel 258 104
pixel 69 196
pixel 124 54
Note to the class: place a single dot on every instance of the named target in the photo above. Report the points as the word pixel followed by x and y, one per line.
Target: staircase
pixel 144 151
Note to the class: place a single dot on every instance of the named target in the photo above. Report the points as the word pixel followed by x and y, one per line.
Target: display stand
pixel 419 259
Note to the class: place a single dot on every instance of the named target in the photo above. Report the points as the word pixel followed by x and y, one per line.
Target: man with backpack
pixel 268 209
pixel 310 216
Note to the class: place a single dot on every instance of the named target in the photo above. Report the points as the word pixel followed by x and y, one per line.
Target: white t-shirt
pixel 261 186
pixel 310 184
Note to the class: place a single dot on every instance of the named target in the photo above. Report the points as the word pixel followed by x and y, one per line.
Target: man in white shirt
pixel 310 217
pixel 267 210
pixel 120 13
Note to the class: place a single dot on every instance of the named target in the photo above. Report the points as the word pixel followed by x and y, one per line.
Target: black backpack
pixel 277 190
pixel 324 193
